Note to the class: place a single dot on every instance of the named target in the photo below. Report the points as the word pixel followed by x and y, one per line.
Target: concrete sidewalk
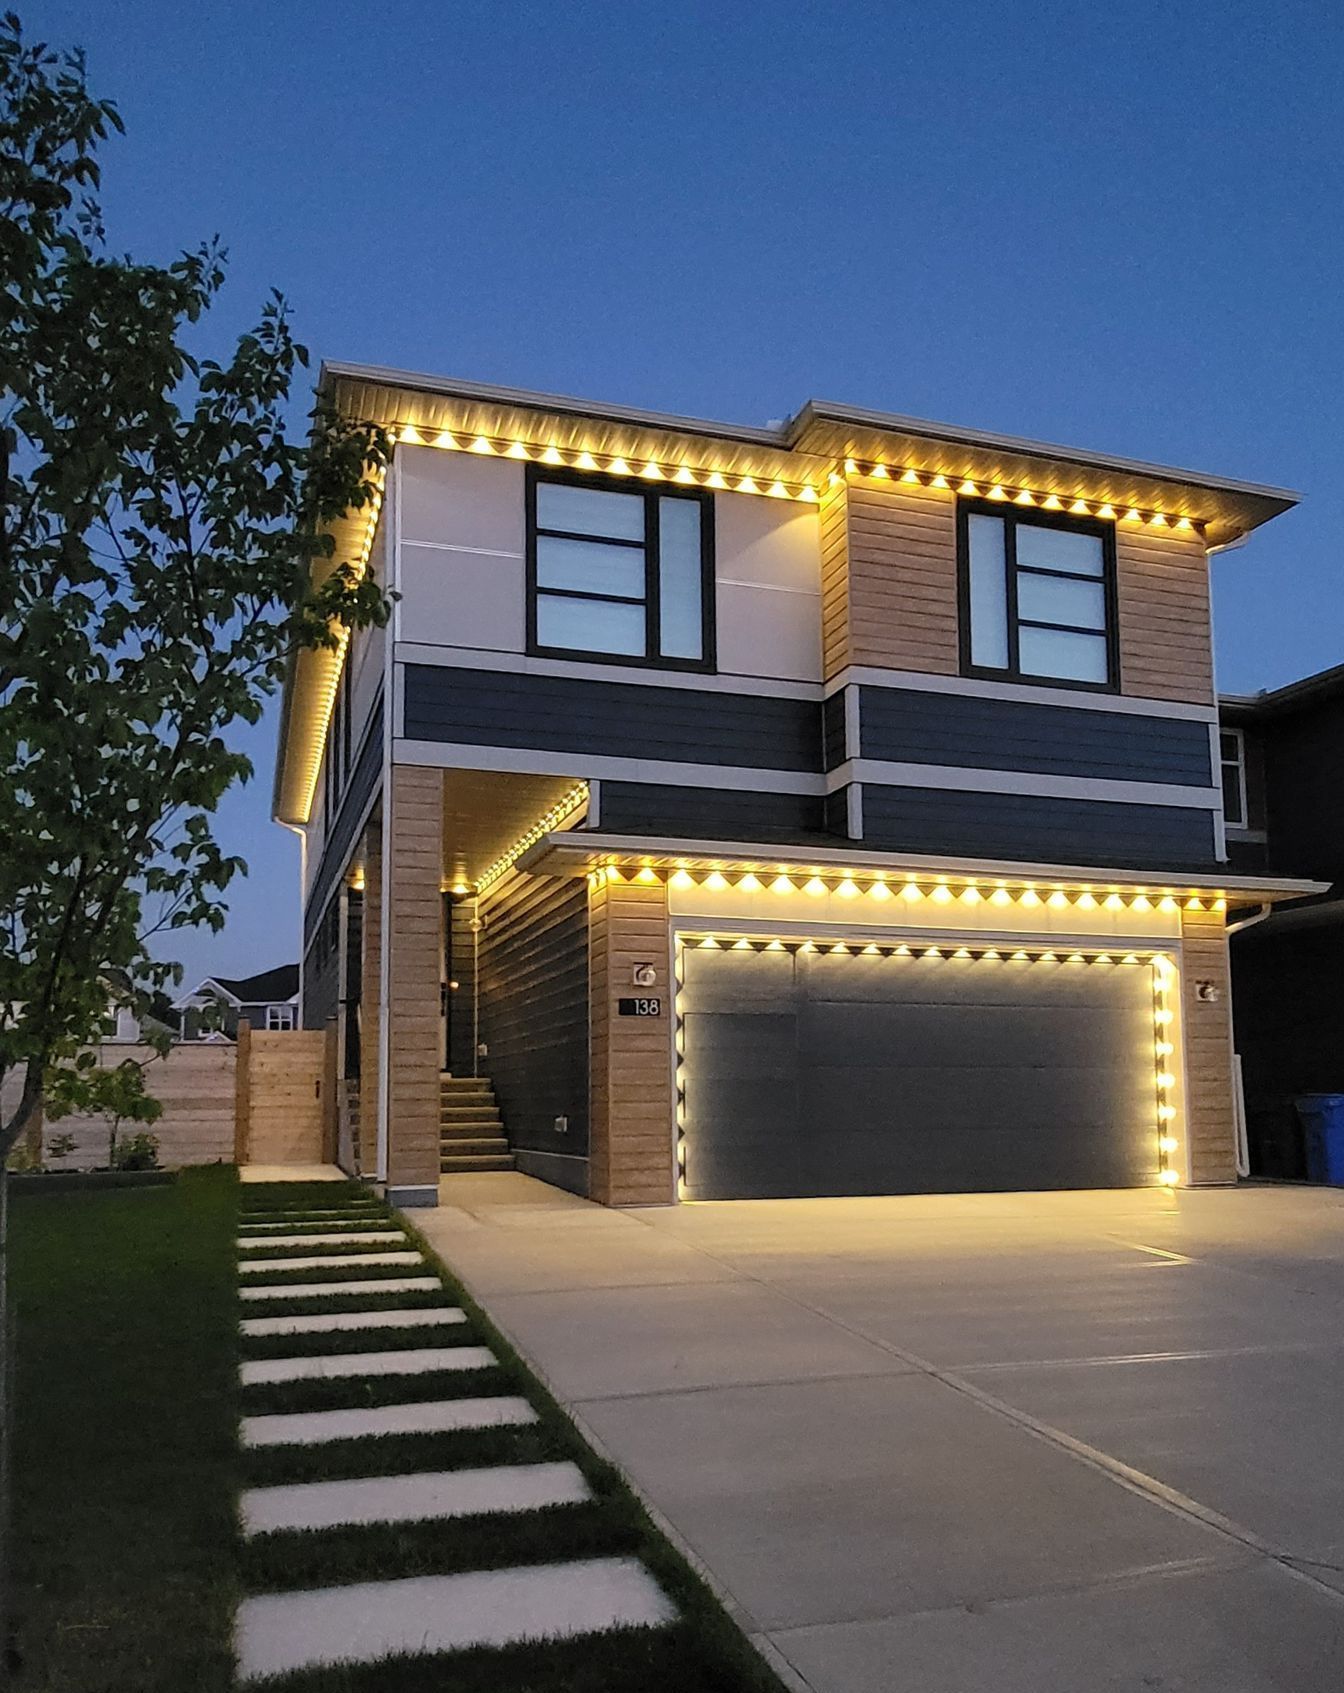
pixel 951 1443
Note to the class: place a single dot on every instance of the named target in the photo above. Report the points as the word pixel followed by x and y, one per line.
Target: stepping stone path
pixel 385 1332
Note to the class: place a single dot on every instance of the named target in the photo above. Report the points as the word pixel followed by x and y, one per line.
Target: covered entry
pixel 806 1071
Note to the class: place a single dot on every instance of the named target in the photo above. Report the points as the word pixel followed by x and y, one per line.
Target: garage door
pixel 812 1073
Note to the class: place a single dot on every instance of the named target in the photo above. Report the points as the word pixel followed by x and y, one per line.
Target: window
pixel 1232 751
pixel 279 1016
pixel 619 572
pixel 1037 597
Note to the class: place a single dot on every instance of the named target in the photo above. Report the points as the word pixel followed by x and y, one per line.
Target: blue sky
pixel 1113 227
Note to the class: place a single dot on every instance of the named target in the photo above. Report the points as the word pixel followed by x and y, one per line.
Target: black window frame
pixel 1012 516
pixel 651 492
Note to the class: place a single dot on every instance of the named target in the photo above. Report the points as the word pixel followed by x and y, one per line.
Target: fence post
pixel 331 1109
pixel 242 1093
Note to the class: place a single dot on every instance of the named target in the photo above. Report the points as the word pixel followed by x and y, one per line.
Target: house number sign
pixel 639 1007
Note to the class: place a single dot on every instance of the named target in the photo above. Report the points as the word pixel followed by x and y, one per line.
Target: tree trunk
pixel 8 1646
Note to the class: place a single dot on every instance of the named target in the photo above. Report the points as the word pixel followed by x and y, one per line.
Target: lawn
pixel 125 1457
pixel 129 1563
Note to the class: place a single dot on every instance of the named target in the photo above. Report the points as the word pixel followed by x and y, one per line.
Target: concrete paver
pixel 277 1632
pixel 343 1290
pixel 411 1498
pixel 425 1416
pixel 337 1366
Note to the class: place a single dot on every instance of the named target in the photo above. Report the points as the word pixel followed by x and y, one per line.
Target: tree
pixel 163 553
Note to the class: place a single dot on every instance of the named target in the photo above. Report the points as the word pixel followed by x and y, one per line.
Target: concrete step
pixel 468 1108
pixel 451 1086
pixel 457 1165
pixel 471 1146
pixel 461 1131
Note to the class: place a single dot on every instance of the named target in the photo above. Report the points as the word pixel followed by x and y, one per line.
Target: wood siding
pixel 534 1009
pixel 370 997
pixel 195 1086
pixel 902 577
pixel 834 580
pixel 284 1079
pixel 1209 1107
pixel 414 869
pixel 1166 640
pixel 630 1134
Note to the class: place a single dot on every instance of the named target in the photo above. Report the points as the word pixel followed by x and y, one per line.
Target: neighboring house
pixel 827 808
pixel 268 1000
pixel 1283 778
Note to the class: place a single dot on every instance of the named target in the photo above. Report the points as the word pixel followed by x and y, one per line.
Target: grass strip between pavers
pixel 349 1270
pixel 401 1454
pixel 331 1343
pixel 306 1305
pixel 347 1393
pixel 332 1557
pixel 690 1656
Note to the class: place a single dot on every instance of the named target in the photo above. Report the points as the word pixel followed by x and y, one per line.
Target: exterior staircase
pixel 471 1133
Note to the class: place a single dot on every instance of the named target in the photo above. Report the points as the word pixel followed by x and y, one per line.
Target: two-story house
pixel 832 808
pixel 1283 779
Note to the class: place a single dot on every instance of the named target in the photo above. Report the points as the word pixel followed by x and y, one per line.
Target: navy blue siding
pixel 833 730
pixel 340 835
pixel 1031 829
pixel 611 719
pixel 722 814
pixel 917 727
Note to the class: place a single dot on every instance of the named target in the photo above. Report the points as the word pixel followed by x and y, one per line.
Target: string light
pixel 552 819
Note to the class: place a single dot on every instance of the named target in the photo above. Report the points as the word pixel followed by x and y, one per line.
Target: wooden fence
pixel 270 1099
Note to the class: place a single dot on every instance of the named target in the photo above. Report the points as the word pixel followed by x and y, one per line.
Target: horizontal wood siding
pixel 723 814
pixel 534 1009
pixel 195 1086
pixel 902 577
pixel 611 719
pixel 414 871
pixel 834 580
pixel 1207 1024
pixel 630 1136
pixel 285 1112
pixel 911 726
pixel 1029 828
pixel 1166 646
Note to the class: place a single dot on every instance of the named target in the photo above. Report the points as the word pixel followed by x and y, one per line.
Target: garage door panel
pixel 974 1035
pixel 881 1075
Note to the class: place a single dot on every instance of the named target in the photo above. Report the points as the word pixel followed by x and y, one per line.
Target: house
pixel 268 1000
pixel 1283 782
pixel 729 812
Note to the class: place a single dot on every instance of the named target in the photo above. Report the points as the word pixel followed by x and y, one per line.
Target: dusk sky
pixel 1117 228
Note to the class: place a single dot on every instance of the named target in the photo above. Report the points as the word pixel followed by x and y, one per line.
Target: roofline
pixel 180 1004
pixel 787 435
pixel 834 411
pixel 855 859
pixel 333 370
pixel 1321 682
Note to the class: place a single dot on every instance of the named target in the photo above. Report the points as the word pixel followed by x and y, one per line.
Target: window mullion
pixel 653 598
pixel 1010 587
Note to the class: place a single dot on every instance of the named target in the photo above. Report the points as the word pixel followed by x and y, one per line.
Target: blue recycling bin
pixel 1322 1118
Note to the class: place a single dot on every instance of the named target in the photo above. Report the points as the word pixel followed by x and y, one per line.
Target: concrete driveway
pixel 1027 1443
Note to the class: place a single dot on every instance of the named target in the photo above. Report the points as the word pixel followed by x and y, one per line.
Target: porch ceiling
pixel 486 811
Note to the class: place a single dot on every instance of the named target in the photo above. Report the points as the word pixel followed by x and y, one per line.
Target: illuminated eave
pixel 582 852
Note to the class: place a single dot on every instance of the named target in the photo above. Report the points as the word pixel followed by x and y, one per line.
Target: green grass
pixel 124 1437
pixel 128 1470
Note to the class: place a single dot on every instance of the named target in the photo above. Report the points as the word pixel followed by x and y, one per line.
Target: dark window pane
pixel 589 567
pixel 595 626
pixel 680 609
pixel 1059 549
pixel 1053 599
pixel 590 511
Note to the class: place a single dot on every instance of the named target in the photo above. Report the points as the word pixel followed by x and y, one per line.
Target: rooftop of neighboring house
pixel 1323 686
pixel 276 986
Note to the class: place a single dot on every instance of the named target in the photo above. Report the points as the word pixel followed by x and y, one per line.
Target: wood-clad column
pixel 1206 1016
pixel 370 997
pixel 414 872
pixel 630 1145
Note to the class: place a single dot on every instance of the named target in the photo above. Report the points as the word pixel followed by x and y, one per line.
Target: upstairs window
pixel 279 1016
pixel 1232 751
pixel 619 572
pixel 1037 597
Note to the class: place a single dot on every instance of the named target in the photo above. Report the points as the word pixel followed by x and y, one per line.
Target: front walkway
pixel 954 1444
